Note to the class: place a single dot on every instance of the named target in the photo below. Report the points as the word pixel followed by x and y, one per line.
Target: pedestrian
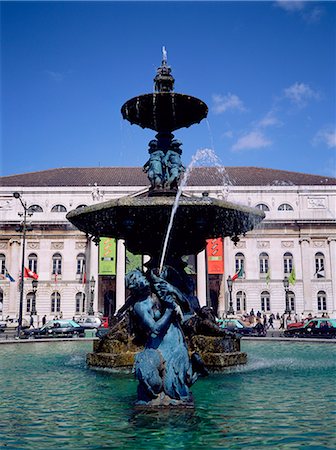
pixel 282 322
pixel 265 321
pixel 278 316
pixel 44 320
pixel 270 321
pixel 259 314
pixel 31 321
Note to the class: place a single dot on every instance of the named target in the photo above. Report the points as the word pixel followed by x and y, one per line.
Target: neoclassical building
pixel 297 239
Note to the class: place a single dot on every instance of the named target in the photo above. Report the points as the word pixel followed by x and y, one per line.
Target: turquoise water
pixel 284 398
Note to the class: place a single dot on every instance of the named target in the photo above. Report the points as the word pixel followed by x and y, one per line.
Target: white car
pixel 91 322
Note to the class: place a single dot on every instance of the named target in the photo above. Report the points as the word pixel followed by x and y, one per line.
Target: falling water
pixel 204 155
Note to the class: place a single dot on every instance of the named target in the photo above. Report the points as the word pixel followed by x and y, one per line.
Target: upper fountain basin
pixel 164 111
pixel 142 222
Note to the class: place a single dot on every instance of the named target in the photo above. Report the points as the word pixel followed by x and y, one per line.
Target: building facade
pixel 297 239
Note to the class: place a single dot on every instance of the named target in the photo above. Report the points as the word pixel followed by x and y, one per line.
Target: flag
pixel 30 274
pixel 292 276
pixel 55 278
pixel 8 275
pixel 83 277
pixel 319 273
pixel 268 276
pixel 239 274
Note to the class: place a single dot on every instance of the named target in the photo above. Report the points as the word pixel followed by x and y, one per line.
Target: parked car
pixel 317 327
pixel 238 326
pixel 55 328
pixel 91 322
pixel 3 326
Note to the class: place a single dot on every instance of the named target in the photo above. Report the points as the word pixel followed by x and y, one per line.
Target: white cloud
pixel 300 93
pixel 222 103
pixel 228 134
pixel 325 136
pixel 290 5
pixel 269 120
pixel 253 140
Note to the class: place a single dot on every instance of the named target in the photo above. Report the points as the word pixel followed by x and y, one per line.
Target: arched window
pixel 35 209
pixel 319 265
pixel 2 264
pixel 241 301
pixel 321 301
pixel 58 208
pixel 1 300
pixel 32 262
pixel 31 299
pixel 80 303
pixel 290 301
pixel 288 262
pixel 240 263
pixel 262 206
pixel 81 206
pixel 80 264
pixel 57 264
pixel 263 263
pixel 285 207
pixel 55 302
pixel 265 301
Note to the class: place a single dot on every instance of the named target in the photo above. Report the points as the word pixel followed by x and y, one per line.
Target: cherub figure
pixel 173 164
pixel 154 166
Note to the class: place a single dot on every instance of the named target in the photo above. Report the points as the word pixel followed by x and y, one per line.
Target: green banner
pixel 133 261
pixel 107 256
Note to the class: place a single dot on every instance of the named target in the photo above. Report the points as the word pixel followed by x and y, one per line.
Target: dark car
pixel 317 328
pixel 238 326
pixel 55 328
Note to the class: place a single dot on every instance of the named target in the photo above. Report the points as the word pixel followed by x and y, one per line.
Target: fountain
pixel 161 328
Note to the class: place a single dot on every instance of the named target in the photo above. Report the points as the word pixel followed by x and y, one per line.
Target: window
pixel 31 299
pixel 80 302
pixel 35 209
pixel 81 206
pixel 265 301
pixel 2 264
pixel 240 262
pixel 290 301
pixel 285 207
pixel 263 263
pixel 319 265
pixel 241 301
pixel 80 264
pixel 57 264
pixel 321 301
pixel 55 302
pixel 288 262
pixel 262 206
pixel 32 262
pixel 58 208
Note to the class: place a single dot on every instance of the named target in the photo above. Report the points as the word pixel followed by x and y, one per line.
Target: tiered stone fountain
pixel 162 327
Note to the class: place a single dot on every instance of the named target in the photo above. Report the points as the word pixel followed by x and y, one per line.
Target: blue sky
pixel 265 69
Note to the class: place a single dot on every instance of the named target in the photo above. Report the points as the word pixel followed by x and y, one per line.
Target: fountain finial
pixel 164 81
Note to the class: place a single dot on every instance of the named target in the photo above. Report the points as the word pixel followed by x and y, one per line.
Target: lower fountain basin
pixel 142 222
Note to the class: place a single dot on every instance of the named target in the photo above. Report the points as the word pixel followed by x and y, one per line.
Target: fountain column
pixel 120 274
pixel 201 279
pixel 332 252
pixel 306 275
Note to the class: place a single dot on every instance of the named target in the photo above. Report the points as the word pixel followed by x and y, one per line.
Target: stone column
pixel 201 278
pixel 332 252
pixel 93 265
pixel 120 275
pixel 14 268
pixel 306 275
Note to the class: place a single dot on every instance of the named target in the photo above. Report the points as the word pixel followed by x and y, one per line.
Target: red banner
pixel 215 256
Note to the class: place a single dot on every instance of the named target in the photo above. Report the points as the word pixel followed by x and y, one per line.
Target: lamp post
pixel 23 227
pixel 92 288
pixel 229 285
pixel 286 286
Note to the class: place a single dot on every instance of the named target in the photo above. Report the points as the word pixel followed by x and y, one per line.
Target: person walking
pixel 31 321
pixel 270 321
pixel 44 320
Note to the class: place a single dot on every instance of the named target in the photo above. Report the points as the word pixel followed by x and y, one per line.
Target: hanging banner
pixel 133 261
pixel 107 256
pixel 215 256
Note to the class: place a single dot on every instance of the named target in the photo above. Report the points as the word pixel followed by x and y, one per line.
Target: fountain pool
pixel 283 398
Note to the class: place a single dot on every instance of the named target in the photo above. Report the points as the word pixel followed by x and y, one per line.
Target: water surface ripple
pixel 284 398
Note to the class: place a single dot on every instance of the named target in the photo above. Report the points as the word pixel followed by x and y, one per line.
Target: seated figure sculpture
pixel 163 369
pixel 153 167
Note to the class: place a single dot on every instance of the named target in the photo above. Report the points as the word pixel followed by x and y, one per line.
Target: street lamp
pixel 229 285
pixel 34 285
pixel 23 227
pixel 286 286
pixel 92 283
